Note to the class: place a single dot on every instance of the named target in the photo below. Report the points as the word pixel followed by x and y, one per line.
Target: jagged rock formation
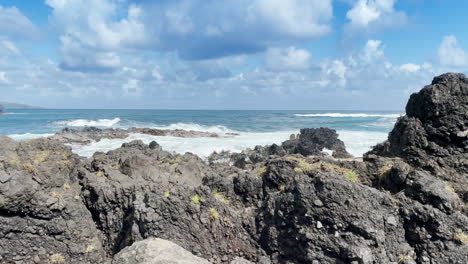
pixel 273 204
pixel 434 133
pixel 88 134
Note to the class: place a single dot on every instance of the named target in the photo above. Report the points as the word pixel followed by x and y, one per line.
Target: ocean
pixel 359 130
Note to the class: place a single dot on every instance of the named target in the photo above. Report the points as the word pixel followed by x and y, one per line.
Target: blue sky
pixel 229 54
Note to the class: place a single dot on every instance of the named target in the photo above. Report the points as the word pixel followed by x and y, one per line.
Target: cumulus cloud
pixel 373 50
pixel 374 13
pixel 90 37
pixel 451 54
pixel 13 23
pixel 195 30
pixel 410 67
pixel 287 59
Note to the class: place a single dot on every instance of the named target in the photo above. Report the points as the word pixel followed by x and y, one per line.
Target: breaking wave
pixel 348 115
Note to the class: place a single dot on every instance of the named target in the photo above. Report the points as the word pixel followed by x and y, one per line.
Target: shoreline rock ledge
pixel 403 203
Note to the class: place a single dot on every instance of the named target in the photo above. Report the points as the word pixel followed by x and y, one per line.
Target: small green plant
pixel 65 163
pixel 56 195
pixel 302 166
pixel 195 199
pixel 167 194
pixel 403 259
pixel 99 173
pixel 57 259
pixel 30 168
pixel 220 197
pixel 261 171
pixel 66 186
pixel 214 213
pixel 449 187
pixel 89 249
pixel 461 237
pixel 352 176
pixel 282 188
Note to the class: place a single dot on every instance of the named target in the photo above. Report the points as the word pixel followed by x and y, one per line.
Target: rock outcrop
pixel 433 135
pixel 286 203
pixel 88 134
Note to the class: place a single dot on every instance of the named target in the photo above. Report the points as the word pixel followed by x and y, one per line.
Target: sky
pixel 227 54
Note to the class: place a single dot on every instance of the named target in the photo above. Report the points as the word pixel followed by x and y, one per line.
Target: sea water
pixel 359 130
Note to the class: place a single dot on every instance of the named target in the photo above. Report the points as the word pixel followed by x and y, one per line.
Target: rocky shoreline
pixel 404 202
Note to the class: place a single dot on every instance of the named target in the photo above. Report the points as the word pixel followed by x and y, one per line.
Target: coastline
pixel 305 200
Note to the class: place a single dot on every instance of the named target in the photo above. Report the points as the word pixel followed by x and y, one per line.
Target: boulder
pixel 312 141
pixel 156 251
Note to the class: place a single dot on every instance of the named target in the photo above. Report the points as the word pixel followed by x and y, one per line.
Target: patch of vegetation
pixel 214 213
pixel 384 172
pixel 282 188
pixel 220 197
pixel 352 176
pixel 65 163
pixel 30 168
pixel 461 237
pixel 99 173
pixel 403 259
pixel 56 195
pixel 167 194
pixel 261 171
pixel 57 259
pixel 115 166
pixel 89 249
pixel 195 199
pixel 449 187
pixel 66 186
pixel 303 166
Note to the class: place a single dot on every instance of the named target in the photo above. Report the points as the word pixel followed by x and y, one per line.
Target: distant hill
pixel 7 105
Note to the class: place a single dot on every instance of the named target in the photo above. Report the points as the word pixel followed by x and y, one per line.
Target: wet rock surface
pixel 286 203
pixel 89 134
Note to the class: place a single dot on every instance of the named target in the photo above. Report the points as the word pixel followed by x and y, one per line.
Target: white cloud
pixel 410 67
pixel 287 59
pixel 3 77
pixel 365 13
pixel 14 23
pixel 301 18
pixel 373 50
pixel 8 48
pixel 336 70
pixel 91 38
pixel 451 54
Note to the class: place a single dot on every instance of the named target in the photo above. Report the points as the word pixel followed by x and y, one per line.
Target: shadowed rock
pixel 434 134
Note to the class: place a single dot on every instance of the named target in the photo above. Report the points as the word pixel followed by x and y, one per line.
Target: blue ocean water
pixel 359 130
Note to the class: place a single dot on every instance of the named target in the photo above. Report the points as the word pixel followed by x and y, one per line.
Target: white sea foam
pixel 87 123
pixel 357 142
pixel 28 136
pixel 196 127
pixel 348 115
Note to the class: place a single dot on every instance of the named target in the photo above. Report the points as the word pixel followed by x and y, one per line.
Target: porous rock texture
pixel 273 204
pixel 433 135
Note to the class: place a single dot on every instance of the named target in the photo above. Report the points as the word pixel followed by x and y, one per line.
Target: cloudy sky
pixel 227 54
